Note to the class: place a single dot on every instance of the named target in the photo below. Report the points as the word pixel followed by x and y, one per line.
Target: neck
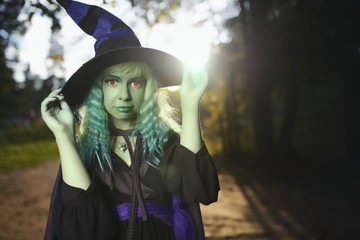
pixel 123 125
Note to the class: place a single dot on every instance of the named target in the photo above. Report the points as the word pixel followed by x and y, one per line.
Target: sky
pixel 182 39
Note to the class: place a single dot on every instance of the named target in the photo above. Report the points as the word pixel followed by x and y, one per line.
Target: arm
pixel 60 121
pixel 193 87
pixel 187 169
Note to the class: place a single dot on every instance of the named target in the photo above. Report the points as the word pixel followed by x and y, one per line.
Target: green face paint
pixel 125 109
pixel 123 95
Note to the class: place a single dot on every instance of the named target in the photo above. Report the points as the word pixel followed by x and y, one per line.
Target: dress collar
pixel 121 132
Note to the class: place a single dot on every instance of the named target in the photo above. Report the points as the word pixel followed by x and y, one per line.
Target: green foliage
pixel 27 154
pixel 50 9
pixel 35 132
pixel 26 146
pixel 7 85
pixel 9 11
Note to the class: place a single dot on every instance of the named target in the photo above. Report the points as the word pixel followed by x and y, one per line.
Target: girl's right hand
pixel 59 118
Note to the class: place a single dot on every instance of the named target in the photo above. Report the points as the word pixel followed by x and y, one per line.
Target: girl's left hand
pixel 193 86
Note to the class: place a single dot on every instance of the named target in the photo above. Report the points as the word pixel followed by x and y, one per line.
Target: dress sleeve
pixel 84 214
pixel 191 176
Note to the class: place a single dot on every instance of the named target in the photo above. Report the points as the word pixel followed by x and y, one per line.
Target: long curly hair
pixel 155 120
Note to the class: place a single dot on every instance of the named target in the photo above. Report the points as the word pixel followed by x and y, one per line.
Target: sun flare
pixel 192 45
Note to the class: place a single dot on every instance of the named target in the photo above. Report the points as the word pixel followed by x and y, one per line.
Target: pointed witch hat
pixel 115 43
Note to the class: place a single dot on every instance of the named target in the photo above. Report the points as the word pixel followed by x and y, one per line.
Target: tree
pixel 9 11
pixel 299 65
pixel 256 33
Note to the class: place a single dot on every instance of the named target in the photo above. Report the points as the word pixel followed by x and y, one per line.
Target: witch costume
pixel 140 201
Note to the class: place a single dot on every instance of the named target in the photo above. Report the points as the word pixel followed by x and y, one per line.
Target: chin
pixel 125 117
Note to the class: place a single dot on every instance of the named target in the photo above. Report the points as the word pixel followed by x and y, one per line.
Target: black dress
pixel 78 214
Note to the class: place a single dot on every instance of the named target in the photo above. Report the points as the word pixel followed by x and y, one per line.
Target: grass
pixel 22 147
pixel 15 156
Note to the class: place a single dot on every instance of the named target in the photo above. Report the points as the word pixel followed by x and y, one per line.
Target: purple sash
pixel 176 217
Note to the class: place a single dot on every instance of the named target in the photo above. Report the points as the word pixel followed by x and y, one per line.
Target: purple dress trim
pixel 176 217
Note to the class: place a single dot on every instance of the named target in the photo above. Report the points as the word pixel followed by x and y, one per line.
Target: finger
pixel 45 103
pixel 55 92
pixel 55 95
pixel 64 105
pixel 50 102
pixel 56 101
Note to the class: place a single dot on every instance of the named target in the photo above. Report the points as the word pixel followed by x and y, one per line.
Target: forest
pixel 284 93
pixel 287 82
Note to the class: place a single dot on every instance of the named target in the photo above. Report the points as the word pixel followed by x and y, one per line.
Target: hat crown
pixel 109 31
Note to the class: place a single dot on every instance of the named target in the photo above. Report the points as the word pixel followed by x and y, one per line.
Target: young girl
pixel 127 170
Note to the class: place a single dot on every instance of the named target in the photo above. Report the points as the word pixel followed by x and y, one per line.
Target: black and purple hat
pixel 115 43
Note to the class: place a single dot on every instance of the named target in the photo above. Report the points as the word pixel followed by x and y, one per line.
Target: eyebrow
pixel 139 78
pixel 110 75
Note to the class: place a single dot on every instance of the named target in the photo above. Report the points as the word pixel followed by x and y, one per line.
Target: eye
pixel 112 82
pixel 136 84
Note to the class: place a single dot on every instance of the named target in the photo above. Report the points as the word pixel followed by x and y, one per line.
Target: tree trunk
pixel 256 35
pixel 231 141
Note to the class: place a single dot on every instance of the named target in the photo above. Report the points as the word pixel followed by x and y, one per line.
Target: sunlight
pixel 190 44
pixel 190 37
pixel 172 88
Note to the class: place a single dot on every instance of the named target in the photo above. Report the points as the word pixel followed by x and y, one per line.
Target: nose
pixel 125 94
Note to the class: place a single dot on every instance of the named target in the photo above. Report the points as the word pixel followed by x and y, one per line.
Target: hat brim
pixel 167 68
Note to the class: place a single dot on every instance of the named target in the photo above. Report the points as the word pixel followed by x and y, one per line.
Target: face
pixel 123 95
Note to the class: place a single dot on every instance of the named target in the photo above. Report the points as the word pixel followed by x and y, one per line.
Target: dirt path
pixel 24 202
pixel 25 199
pixel 240 213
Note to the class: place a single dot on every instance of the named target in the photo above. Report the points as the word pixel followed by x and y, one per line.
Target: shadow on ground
pixel 289 200
pixel 257 201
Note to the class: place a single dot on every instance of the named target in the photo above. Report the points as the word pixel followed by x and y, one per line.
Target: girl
pixel 127 170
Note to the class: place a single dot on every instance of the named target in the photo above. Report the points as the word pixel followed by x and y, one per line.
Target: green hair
pixel 155 120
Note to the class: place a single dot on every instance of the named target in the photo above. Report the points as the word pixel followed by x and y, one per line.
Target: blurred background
pixel 281 115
